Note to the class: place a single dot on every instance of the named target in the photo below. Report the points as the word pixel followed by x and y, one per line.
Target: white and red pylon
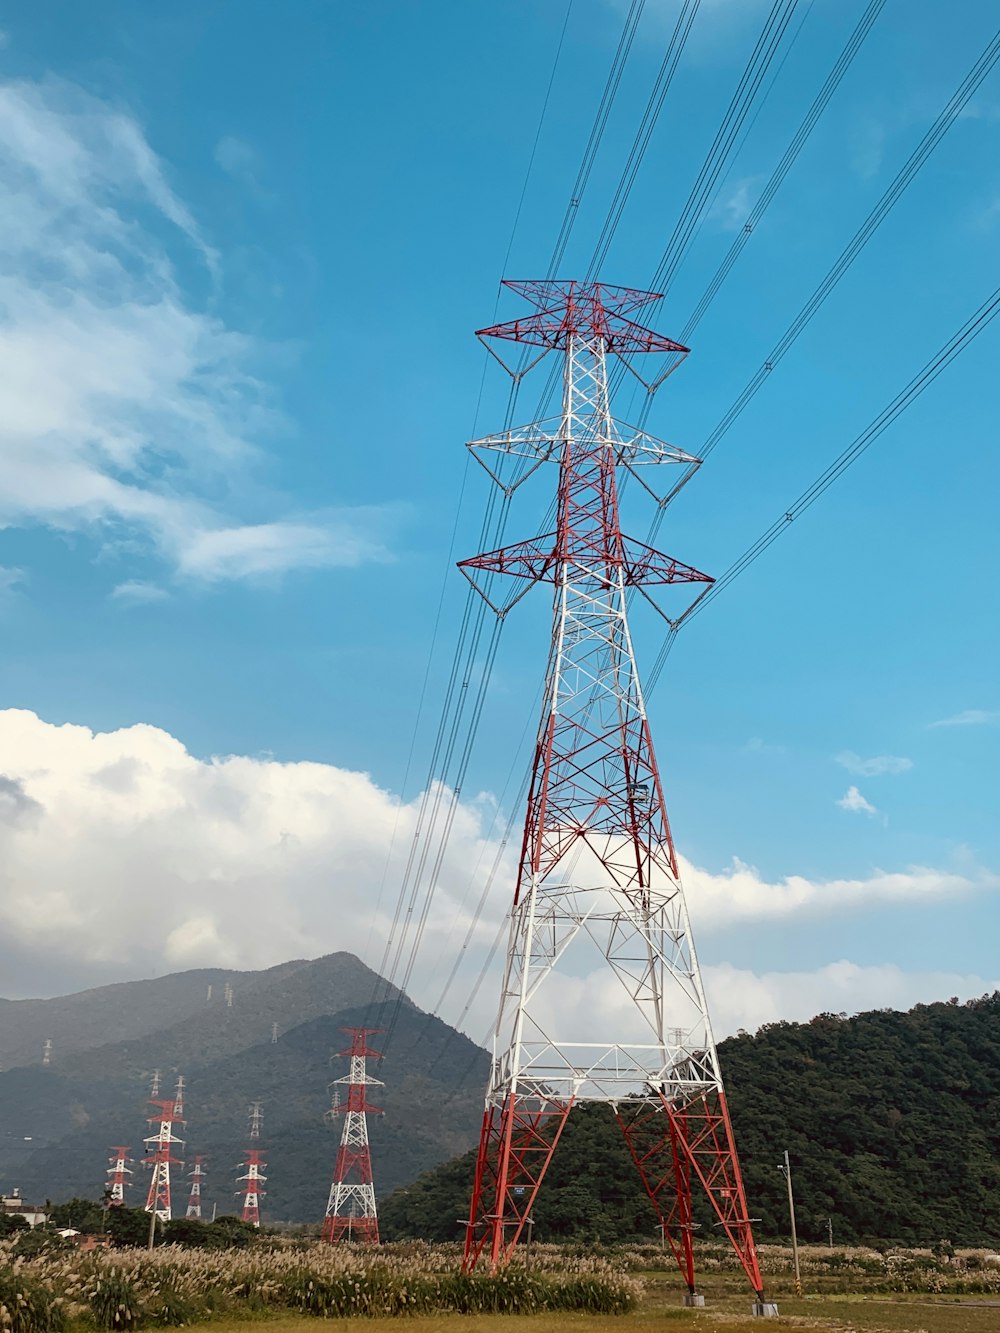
pixel 160 1157
pixel 351 1214
pixel 118 1172
pixel 253 1177
pixel 197 1176
pixel 598 907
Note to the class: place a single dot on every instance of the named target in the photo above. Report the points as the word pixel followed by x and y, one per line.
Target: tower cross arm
pixel 539 560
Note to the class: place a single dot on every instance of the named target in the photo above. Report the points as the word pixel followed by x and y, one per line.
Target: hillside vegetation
pixel 58 1122
pixel 891 1120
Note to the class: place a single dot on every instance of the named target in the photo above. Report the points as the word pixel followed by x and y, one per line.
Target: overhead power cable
pixel 943 358
pixel 904 178
pixel 805 129
pixel 608 96
pixel 469 675
pixel 640 143
pixel 702 192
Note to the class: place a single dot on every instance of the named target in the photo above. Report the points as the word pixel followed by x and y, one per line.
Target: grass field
pixel 843 1314
pixel 286 1286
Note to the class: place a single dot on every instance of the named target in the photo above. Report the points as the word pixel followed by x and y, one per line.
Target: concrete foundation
pixel 764 1309
pixel 693 1299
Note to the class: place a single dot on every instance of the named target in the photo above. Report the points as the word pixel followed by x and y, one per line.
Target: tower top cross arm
pixel 582 309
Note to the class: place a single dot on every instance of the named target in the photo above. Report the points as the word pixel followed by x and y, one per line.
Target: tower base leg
pixel 764 1309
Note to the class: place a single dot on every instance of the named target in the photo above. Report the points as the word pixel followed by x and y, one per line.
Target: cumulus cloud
pixel 138 592
pixel 970 717
pixel 853 800
pixel 741 998
pixel 877 766
pixel 126 411
pixel 121 854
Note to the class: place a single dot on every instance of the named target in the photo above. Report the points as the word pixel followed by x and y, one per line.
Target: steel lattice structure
pixel 160 1146
pixel 350 1211
pixel 197 1174
pixel 252 1180
pixel 118 1173
pixel 253 1177
pixel 598 905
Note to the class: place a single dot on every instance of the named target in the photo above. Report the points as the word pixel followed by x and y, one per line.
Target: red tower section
pixel 118 1173
pixel 598 901
pixel 253 1178
pixel 351 1213
pixel 160 1158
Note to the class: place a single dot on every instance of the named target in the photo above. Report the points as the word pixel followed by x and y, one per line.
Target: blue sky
pixel 241 269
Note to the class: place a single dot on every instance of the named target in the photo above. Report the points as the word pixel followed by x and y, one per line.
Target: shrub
pixel 27 1307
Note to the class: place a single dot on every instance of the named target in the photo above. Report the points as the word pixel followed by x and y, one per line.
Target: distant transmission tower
pixel 197 1174
pixel 47 1051
pixel 179 1097
pixel 154 1085
pixel 160 1159
pixel 253 1177
pixel 597 888
pixel 274 1033
pixel 118 1173
pixel 350 1211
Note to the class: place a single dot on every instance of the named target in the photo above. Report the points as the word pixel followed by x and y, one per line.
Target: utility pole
pixel 786 1168
pixel 598 876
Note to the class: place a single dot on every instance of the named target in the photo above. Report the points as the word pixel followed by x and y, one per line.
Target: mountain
pixel 58 1121
pixel 891 1121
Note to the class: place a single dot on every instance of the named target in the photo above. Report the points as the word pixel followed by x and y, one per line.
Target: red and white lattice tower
pixel 118 1172
pixel 598 908
pixel 253 1178
pixel 197 1175
pixel 160 1158
pixel 350 1211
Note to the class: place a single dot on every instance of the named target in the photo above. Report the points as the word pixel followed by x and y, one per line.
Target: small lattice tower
pixel 598 894
pixel 118 1172
pixel 197 1177
pixel 160 1155
pixel 254 1164
pixel 351 1214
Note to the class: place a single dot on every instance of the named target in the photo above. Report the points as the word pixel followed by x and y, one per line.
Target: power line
pixel 848 255
pixel 940 361
pixel 640 143
pixel 799 139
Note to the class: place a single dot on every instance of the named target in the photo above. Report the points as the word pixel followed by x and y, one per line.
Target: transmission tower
pixel 160 1158
pixel 350 1211
pixel 179 1097
pixel 253 1177
pixel 598 893
pixel 119 1169
pixel 47 1051
pixel 197 1174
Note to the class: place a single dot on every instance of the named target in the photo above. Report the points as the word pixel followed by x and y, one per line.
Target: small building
pixel 12 1205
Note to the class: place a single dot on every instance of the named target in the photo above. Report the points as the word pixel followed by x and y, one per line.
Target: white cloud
pixel 123 406
pixel 740 895
pixel 853 800
pixel 741 998
pixel 970 717
pixel 122 854
pixel 137 592
pixel 877 766
pixel 237 159
pixel 732 207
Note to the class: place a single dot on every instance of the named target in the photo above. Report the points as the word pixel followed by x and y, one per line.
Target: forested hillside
pixel 60 1121
pixel 891 1120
